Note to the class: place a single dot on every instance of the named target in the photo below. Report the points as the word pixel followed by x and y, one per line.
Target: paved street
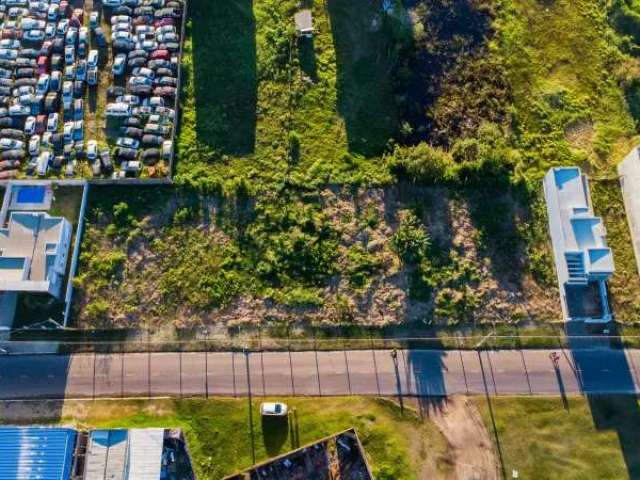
pixel 362 372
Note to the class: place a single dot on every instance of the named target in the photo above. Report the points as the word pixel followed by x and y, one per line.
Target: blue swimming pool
pixel 33 194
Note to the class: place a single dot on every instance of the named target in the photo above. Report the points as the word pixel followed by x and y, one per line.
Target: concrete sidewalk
pixel 356 372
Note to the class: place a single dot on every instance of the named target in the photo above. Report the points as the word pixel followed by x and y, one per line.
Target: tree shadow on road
pixel 424 371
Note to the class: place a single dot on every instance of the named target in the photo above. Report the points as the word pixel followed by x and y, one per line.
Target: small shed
pixel 304 23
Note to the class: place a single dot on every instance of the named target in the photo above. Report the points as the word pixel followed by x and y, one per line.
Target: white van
pixel 118 110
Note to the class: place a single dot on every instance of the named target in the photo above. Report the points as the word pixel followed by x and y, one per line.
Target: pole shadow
pixel 606 379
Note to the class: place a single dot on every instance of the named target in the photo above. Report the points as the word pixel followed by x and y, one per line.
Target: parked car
pixel 92 150
pixel 43 163
pixel 34 145
pixel 119 64
pixel 274 409
pixel 52 122
pixel 105 159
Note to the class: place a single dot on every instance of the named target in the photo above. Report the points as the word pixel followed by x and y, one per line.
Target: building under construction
pixel 338 457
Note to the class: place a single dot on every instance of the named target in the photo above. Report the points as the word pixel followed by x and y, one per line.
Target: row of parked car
pixel 46 63
pixel 145 37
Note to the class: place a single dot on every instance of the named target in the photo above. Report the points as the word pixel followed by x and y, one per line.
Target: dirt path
pixel 473 453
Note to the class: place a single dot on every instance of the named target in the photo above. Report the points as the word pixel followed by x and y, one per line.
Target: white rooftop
pixel 629 170
pixel 575 230
pixel 33 252
pixel 134 454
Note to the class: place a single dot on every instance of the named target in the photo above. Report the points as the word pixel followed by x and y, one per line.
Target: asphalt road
pixel 362 372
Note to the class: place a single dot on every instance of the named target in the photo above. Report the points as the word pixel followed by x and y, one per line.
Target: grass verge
pixel 586 438
pixel 218 435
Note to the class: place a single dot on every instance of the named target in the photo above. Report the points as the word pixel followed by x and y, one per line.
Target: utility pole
pixel 253 446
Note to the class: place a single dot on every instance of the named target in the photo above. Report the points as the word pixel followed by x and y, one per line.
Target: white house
pixel 583 260
pixel 33 253
pixel 629 170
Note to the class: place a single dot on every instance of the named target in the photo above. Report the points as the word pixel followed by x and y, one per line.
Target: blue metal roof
pixel 36 453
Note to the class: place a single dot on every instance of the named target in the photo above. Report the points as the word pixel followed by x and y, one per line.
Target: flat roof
pixel 36 453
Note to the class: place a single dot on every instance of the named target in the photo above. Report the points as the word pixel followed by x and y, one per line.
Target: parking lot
pixel 88 89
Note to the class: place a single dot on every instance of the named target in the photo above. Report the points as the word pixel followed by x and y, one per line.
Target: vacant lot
pixel 584 438
pixel 387 172
pixel 401 447
pixel 368 257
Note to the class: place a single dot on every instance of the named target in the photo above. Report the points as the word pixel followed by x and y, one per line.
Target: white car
pixel 53 12
pixel 34 145
pixel 8 54
pixel 29 23
pixel 52 122
pixel 120 19
pixel 71 36
pixel 92 58
pixel 121 27
pixel 67 94
pixel 68 132
pixel 92 76
pixel 42 87
pixel 119 64
pixel 50 30
pixel 143 72
pixel 69 55
pixel 121 35
pixel 10 43
pixel 167 150
pixel 92 150
pixel 128 143
pixel 46 139
pixel 81 70
pixel 11 144
pixel 132 100
pixel 63 26
pixel 43 163
pixel 274 409
pixel 30 125
pixel 34 35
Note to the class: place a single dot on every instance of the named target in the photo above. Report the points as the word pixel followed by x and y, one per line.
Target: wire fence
pixel 268 344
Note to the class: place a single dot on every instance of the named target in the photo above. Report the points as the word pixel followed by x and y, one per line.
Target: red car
pixel 43 64
pixel 64 9
pixel 46 48
pixel 8 174
pixel 41 124
pixel 160 54
pixel 163 22
pixel 6 33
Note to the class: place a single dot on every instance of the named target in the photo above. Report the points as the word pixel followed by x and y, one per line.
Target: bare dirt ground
pixel 471 451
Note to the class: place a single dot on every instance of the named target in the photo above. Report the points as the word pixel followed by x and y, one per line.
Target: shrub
pixel 361 266
pixel 410 241
pixel 422 163
pixel 294 147
pixel 106 264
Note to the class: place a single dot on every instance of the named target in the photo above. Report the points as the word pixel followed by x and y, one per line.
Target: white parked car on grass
pixel 274 409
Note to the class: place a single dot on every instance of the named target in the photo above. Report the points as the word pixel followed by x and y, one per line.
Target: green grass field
pixel 250 88
pixel 308 154
pixel 219 440
pixel 588 438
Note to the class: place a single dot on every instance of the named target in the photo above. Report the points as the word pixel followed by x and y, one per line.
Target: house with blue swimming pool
pixel 583 260
pixel 37 257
